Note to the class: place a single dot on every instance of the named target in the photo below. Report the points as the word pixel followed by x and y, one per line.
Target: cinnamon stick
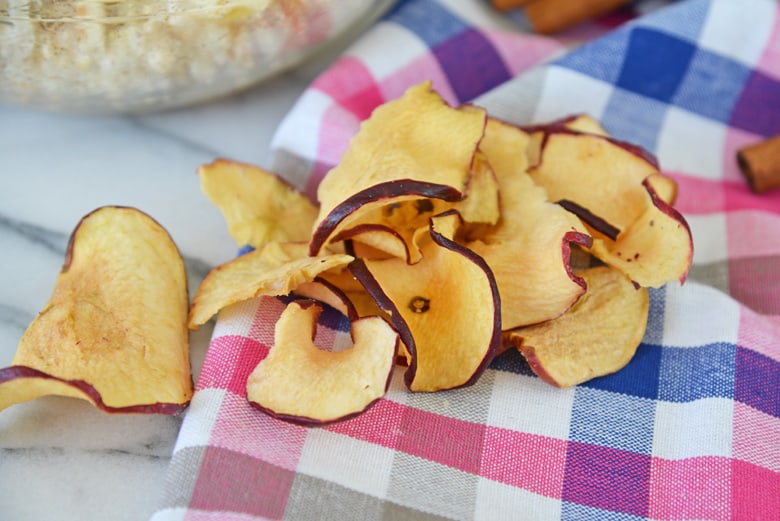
pixel 552 16
pixel 760 164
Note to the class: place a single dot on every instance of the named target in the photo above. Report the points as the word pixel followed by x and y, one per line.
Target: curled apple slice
pixel 273 270
pixel 597 336
pixel 446 308
pixel 596 172
pixel 634 228
pixel 656 248
pixel 302 383
pixel 114 331
pixel 664 187
pixel 480 204
pixel 585 123
pixel 528 251
pixel 258 206
pixel 582 123
pixel 413 147
pixel 393 228
pixel 324 292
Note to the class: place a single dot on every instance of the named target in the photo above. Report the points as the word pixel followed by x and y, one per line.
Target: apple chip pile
pixel 446 235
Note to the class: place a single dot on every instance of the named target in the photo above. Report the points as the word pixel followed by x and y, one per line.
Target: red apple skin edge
pixel 362 273
pixel 20 371
pixel 387 190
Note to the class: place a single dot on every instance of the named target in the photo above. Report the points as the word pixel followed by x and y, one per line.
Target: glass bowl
pixel 126 56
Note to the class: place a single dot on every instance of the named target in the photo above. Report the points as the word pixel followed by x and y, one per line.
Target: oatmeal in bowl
pixel 121 56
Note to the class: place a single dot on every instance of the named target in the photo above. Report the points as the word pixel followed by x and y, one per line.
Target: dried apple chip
pixel 258 206
pixel 275 269
pixel 622 212
pixel 656 248
pixel 664 187
pixel 446 308
pixel 393 228
pixel 301 383
pixel 114 331
pixel 585 123
pixel 528 251
pixel 323 292
pixel 598 336
pixel 410 148
pixel 581 123
pixel 480 205
pixel 595 172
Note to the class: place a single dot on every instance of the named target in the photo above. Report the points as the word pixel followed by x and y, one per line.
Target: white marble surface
pixel 61 458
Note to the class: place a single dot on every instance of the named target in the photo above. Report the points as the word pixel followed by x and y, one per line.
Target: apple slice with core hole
pixel 446 308
pixel 114 331
pixel 301 383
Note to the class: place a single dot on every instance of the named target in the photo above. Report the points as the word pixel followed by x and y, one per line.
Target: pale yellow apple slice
pixel 585 123
pixel 610 186
pixel 302 383
pixel 595 172
pixel 598 336
pixel 656 248
pixel 273 270
pixel 393 228
pixel 664 186
pixel 528 251
pixel 480 204
pixel 410 148
pixel 258 206
pixel 114 331
pixel 445 308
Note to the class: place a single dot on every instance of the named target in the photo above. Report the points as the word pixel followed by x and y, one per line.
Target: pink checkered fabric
pixel 689 430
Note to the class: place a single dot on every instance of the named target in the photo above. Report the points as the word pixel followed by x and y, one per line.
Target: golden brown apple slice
pixel 610 186
pixel 595 172
pixel 581 123
pixel 360 301
pixel 322 291
pixel 585 123
pixel 114 331
pixel 302 383
pixel 446 308
pixel 398 228
pixel 665 186
pixel 655 249
pixel 528 251
pixel 273 270
pixel 258 206
pixel 480 205
pixel 393 228
pixel 414 147
pixel 597 336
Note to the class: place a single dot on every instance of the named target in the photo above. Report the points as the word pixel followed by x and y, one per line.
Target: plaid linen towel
pixel 690 429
